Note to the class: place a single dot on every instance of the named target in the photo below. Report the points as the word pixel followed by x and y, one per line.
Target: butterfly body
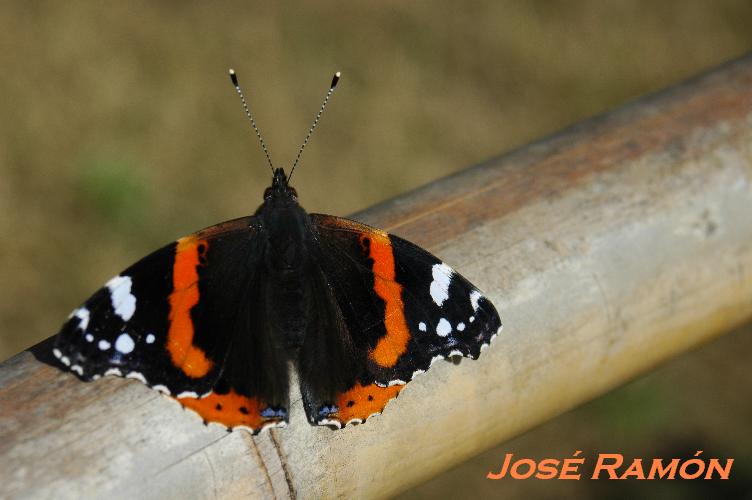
pixel 285 234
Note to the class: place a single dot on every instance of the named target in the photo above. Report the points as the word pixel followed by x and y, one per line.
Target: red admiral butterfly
pixel 216 318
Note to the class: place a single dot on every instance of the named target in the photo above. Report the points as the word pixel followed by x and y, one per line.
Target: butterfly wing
pixel 401 309
pixel 169 321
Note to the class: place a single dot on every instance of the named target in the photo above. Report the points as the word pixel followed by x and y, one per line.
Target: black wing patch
pixel 401 308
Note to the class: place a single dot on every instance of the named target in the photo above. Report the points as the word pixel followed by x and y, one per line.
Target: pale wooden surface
pixel 606 249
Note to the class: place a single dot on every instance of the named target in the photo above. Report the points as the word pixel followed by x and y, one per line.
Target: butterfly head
pixel 280 189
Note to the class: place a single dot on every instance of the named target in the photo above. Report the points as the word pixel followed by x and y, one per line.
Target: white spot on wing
pixel 474 297
pixel 444 328
pixel 442 277
pixel 123 301
pixel 422 326
pixel 103 345
pixel 270 425
pixel 136 376
pixel 472 318
pixel 89 337
pixel 328 421
pixel 150 338
pixel 83 315
pixel 124 343
pixel 460 326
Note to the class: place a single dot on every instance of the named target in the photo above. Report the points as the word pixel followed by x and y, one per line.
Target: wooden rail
pixel 607 248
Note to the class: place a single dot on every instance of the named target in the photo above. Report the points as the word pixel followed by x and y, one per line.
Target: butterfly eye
pixel 293 192
pixel 267 193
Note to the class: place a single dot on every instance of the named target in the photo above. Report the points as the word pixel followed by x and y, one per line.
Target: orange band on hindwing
pixel 185 294
pixel 363 401
pixel 390 347
pixel 231 410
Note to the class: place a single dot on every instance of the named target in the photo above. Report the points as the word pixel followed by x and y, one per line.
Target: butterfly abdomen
pixel 288 309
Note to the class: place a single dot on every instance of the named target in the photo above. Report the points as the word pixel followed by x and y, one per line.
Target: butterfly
pixel 217 319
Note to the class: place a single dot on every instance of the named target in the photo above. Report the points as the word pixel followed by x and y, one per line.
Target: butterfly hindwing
pixel 402 310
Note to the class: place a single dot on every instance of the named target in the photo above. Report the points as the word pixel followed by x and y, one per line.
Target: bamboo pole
pixel 607 249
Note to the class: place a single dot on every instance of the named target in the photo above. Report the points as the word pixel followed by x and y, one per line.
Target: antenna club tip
pixel 233 77
pixel 335 80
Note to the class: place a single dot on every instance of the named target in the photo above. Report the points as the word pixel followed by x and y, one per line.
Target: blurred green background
pixel 120 132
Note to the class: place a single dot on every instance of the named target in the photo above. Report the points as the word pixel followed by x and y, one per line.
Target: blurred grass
pixel 111 189
pixel 120 131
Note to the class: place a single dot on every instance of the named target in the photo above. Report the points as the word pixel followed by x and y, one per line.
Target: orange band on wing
pixel 390 347
pixel 229 409
pixel 184 296
pixel 363 401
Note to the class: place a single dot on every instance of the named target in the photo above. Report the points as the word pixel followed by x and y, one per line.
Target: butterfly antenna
pixel 329 93
pixel 234 79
